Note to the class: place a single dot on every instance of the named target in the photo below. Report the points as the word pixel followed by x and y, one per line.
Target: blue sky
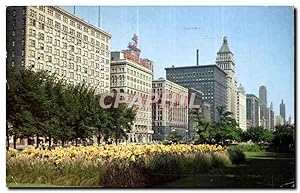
pixel 261 38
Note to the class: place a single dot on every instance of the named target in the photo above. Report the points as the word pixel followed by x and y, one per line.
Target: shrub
pixel 245 147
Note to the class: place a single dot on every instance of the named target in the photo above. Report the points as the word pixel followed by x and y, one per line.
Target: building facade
pixel 264 114
pixel 226 62
pixel 209 79
pixel 272 117
pixel 252 107
pixel 170 112
pixel 282 111
pixel 51 39
pixel 241 108
pixel 132 75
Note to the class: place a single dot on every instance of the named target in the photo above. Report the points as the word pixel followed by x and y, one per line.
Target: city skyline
pixel 185 32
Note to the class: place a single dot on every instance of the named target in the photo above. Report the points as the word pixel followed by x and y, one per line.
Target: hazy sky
pixel 261 38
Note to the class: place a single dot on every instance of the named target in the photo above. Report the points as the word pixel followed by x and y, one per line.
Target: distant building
pixel 252 107
pixel 241 117
pixel 132 75
pixel 264 114
pixel 166 114
pixel 282 111
pixel 209 79
pixel 279 120
pixel 226 62
pixel 272 117
pixel 290 120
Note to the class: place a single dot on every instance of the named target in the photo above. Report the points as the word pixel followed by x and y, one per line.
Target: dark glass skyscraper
pixel 209 79
pixel 252 113
pixel 282 111
pixel 263 106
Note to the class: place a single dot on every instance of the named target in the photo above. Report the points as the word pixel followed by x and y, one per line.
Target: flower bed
pixel 110 165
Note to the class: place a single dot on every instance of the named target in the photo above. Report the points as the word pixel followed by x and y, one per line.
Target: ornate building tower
pixel 226 62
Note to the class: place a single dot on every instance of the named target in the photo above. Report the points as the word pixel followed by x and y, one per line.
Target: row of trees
pixel 41 105
pixel 227 129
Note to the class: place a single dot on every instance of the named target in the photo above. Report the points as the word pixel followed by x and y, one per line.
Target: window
pixel 41 46
pixel 49 49
pixel 65 28
pixel 13 33
pixel 32 53
pixel 32 32
pixel 85 70
pixel 58 15
pixel 32 13
pixel 72 23
pixel 64 54
pixel 57 25
pixel 65 19
pixel 32 63
pixel 13 43
pixel 79 26
pixel 49 39
pixel 41 17
pixel 49 58
pixel 32 22
pixel 50 11
pixel 57 42
pixel 50 21
pixel 41 36
pixel 13 54
pixel 42 8
pixel 41 56
pixel 79 35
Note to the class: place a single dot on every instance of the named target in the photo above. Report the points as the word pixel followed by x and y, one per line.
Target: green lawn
pixel 260 170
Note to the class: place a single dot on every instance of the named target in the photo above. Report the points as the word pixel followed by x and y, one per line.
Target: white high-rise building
pixel 226 62
pixel 241 108
pixel 51 39
pixel 132 75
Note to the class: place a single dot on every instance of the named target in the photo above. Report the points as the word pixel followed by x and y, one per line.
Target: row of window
pixel 65 19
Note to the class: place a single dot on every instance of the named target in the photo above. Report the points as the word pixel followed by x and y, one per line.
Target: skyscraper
pixel 226 62
pixel 282 111
pixel 272 117
pixel 263 106
pixel 209 79
pixel 252 106
pixel 241 107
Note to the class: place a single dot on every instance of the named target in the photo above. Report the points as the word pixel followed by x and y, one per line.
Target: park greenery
pixel 40 105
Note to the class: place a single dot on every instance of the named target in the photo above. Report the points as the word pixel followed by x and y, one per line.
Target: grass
pixel 260 170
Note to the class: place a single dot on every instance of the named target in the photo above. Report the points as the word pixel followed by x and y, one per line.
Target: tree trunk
pixel 49 141
pixel 7 139
pixel 76 142
pixel 62 143
pixel 37 140
pixel 98 139
pixel 15 142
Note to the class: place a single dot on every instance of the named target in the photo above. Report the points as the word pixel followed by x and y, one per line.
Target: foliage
pixel 247 147
pixel 284 136
pixel 110 165
pixel 44 106
pixel 174 136
pixel 257 134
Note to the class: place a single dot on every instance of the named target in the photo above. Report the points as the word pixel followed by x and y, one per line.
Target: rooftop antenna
pixel 99 16
pixel 197 57
pixel 137 20
pixel 74 10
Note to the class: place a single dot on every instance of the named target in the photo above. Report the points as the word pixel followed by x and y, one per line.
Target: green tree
pixel 174 137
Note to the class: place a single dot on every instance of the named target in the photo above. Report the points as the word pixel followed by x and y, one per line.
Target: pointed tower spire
pixel 224 48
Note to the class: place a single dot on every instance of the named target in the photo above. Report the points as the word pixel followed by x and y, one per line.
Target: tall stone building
pixel 226 62
pixel 208 79
pixel 264 115
pixel 132 75
pixel 252 106
pixel 282 111
pixel 170 112
pixel 51 39
pixel 241 107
